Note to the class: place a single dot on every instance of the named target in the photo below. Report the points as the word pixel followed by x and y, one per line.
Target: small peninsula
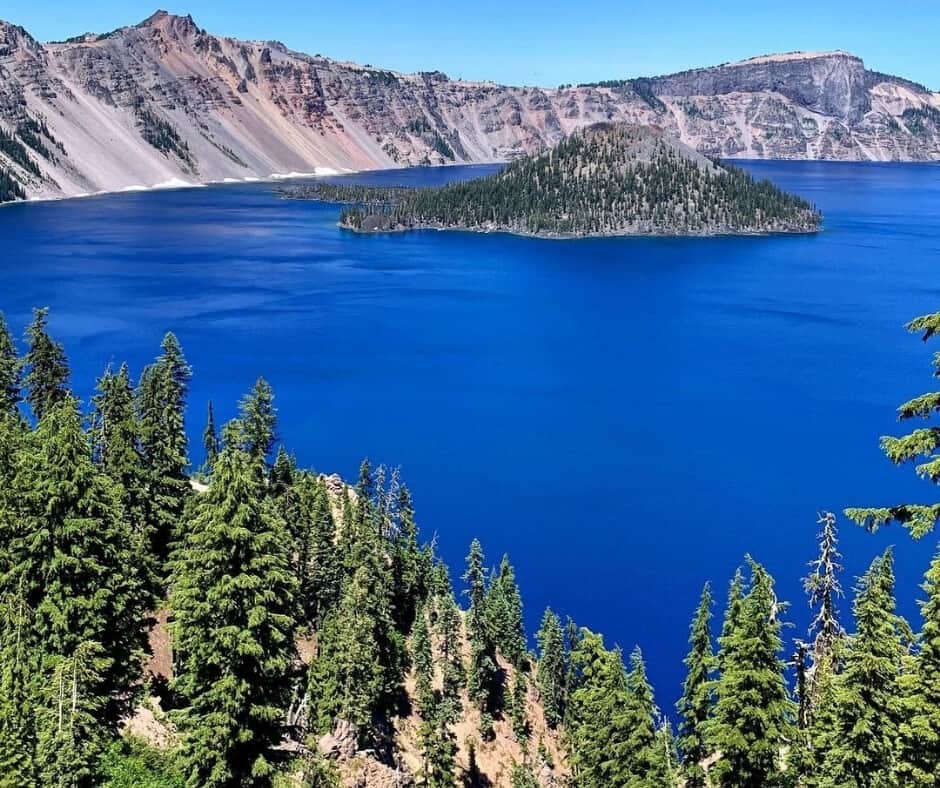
pixel 606 180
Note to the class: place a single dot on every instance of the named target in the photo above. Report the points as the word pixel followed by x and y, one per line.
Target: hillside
pixel 610 179
pixel 165 103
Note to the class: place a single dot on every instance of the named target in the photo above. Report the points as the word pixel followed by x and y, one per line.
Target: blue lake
pixel 627 418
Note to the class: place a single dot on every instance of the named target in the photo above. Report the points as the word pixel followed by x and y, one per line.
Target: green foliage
pixel 867 704
pixel 517 707
pixel 210 439
pixel 9 371
pixel 233 599
pixel 550 678
pixel 921 444
pixel 919 732
pixel 256 425
pixel 504 614
pixel 18 154
pixel 47 371
pixel 10 188
pixel 161 134
pixel 132 763
pixel 753 715
pixel 695 706
pixel 483 679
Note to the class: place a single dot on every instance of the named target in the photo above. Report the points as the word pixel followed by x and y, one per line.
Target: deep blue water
pixel 627 418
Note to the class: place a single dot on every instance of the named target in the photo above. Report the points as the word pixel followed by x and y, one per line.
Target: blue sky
pixel 543 43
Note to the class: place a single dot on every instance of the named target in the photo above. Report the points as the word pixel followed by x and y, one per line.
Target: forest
pixel 606 180
pixel 315 640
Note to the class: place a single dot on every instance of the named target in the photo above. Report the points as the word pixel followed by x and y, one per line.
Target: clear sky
pixel 540 42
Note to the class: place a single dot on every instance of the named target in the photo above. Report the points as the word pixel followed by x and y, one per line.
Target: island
pixel 605 180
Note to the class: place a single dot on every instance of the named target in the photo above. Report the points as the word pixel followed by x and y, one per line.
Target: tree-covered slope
pixel 610 179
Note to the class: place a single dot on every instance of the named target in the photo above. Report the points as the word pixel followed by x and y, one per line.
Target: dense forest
pixel 251 623
pixel 605 180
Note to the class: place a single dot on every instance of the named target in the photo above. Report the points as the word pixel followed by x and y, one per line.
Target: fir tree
pixel 504 614
pixel 20 679
pixel 753 716
pixel 258 420
pixel 47 372
pixel 550 678
pixel 695 706
pixel 439 748
pixel 320 568
pixel 408 567
pixel 423 660
pixel 233 600
pixel 10 393
pixel 483 677
pixel 520 721
pixel 921 444
pixel 210 439
pixel 451 659
pixel 919 751
pixel 633 748
pixel 161 403
pixel 867 698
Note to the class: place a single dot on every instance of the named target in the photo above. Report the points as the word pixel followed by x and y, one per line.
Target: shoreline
pixel 586 236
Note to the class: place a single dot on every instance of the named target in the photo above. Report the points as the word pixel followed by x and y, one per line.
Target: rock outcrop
pixel 166 103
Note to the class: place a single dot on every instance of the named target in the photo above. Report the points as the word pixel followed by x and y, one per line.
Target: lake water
pixel 626 417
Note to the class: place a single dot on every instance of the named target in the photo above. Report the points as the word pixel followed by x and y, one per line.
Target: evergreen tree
pixel 161 403
pixel 595 705
pixel 753 716
pixel 10 393
pixel 867 697
pixel 71 557
pixel 520 721
pixel 210 439
pixel 258 420
pixel 550 678
pixel 423 660
pixel 20 679
pixel 439 748
pixel 921 444
pixel 233 599
pixel 47 372
pixel 483 678
pixel 504 614
pixel 919 751
pixel 450 653
pixel 634 746
pixel 408 565
pixel 320 569
pixel 695 706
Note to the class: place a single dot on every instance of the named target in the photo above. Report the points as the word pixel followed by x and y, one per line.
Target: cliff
pixel 166 103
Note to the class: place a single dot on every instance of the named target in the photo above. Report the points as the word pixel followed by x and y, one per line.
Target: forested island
pixel 241 621
pixel 607 180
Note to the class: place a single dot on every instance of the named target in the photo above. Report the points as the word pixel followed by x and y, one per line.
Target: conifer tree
pixel 633 748
pixel 320 569
pixel 695 706
pixel 504 614
pixel 408 565
pixel 233 599
pixel 920 445
pixel 594 707
pixel 919 751
pixel 258 420
pixel 161 403
pixel 47 372
pixel 550 678
pixel 483 677
pixel 520 721
pixel 20 679
pixel 439 747
pixel 71 556
pixel 210 438
pixel 753 716
pixel 423 660
pixel 867 698
pixel 10 393
pixel 451 660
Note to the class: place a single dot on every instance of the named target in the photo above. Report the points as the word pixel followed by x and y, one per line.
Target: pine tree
pixel 453 676
pixel 210 439
pixel 921 444
pixel 20 678
pixel 695 706
pixel 633 747
pixel 919 750
pixel 233 599
pixel 161 403
pixel 504 614
pixel 47 371
pixel 520 721
pixel 116 449
pixel 257 420
pixel 593 711
pixel 71 556
pixel 10 393
pixel 483 678
pixel 320 568
pixel 867 697
pixel 753 716
pixel 408 565
pixel 439 748
pixel 550 678
pixel 423 660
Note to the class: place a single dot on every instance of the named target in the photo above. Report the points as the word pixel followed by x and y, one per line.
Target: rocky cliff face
pixel 164 102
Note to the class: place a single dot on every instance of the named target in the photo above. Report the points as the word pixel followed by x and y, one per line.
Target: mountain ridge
pixel 164 102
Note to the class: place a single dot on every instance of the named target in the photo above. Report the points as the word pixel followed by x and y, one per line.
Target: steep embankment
pixel 164 103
